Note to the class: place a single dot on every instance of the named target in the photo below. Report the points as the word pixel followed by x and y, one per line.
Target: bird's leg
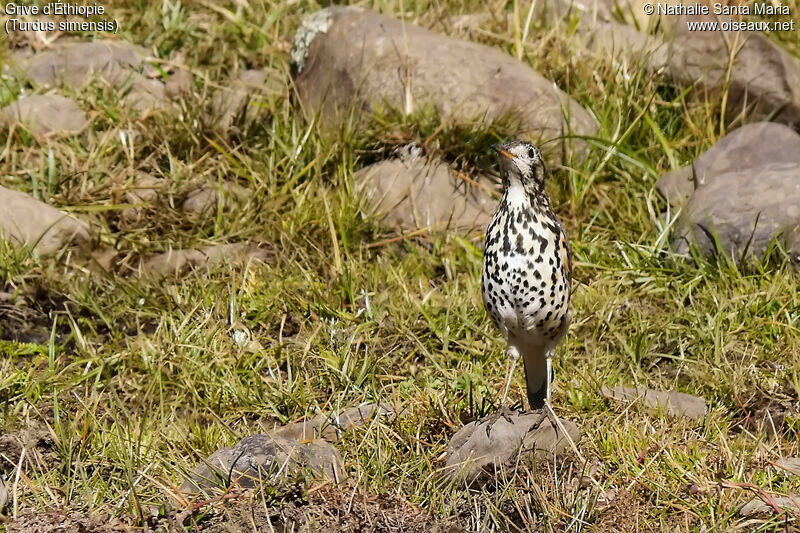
pixel 549 378
pixel 509 374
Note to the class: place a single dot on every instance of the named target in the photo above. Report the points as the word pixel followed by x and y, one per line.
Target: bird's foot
pixel 504 412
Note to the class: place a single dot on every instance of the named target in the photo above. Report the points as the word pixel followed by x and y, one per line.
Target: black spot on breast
pixel 519 249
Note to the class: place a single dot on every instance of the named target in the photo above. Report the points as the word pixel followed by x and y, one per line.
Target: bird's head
pixel 521 163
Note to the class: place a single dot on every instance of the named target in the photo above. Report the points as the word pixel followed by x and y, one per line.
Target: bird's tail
pixel 537 375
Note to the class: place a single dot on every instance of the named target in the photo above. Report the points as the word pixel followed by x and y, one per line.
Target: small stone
pixel 671 402
pixel 260 458
pixel 789 464
pixel 204 199
pixel 3 495
pixel 178 83
pixel 145 189
pixel 46 114
pixel 28 222
pixel 177 262
pixel 411 193
pixel 331 427
pixel 791 240
pixel 236 99
pixel 769 420
pixel 494 443
pixel 757 506
pixel 114 63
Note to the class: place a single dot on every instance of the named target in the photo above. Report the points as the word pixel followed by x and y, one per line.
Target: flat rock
pixel 343 55
pixel 411 192
pixel 757 506
pixel 330 427
pixel 260 458
pixel 746 209
pixel 28 222
pixel 117 63
pixel 494 443
pixel 73 63
pixel 671 402
pixel 750 147
pixel 46 114
pixel 177 262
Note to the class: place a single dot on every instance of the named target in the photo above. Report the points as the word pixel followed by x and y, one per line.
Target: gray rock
pixel 29 222
pixel 348 54
pixel 750 147
pixel 116 63
pixel 143 192
pixel 745 208
pixel 410 193
pixel 614 40
pixel 764 81
pixel 789 464
pixel 495 443
pixel 177 262
pixel 205 198
pixel 671 402
pixel 259 458
pixel 331 427
pixel 178 83
pixel 757 506
pixel 72 64
pixel 235 99
pixel 764 78
pixel 46 114
pixel 791 241
pixel 3 495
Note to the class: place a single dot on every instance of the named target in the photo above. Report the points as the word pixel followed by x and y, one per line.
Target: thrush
pixel 526 281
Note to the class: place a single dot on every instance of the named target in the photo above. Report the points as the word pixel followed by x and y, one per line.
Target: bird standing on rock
pixel 527 266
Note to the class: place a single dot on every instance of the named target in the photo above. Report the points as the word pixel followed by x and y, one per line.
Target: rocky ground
pixel 240 265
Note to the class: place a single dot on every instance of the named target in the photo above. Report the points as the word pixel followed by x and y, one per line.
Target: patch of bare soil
pixel 28 316
pixel 71 521
pixel 37 441
pixel 326 510
pixel 627 511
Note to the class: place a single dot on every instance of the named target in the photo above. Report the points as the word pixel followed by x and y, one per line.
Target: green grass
pixel 141 379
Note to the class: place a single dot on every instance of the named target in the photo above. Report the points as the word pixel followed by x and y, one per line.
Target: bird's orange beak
pixel 505 153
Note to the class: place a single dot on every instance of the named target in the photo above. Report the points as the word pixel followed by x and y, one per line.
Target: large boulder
pixel 747 193
pixel 764 78
pixel 743 210
pixel 345 55
pixel 747 148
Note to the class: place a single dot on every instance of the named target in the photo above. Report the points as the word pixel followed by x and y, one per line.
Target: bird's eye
pixel 532 152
